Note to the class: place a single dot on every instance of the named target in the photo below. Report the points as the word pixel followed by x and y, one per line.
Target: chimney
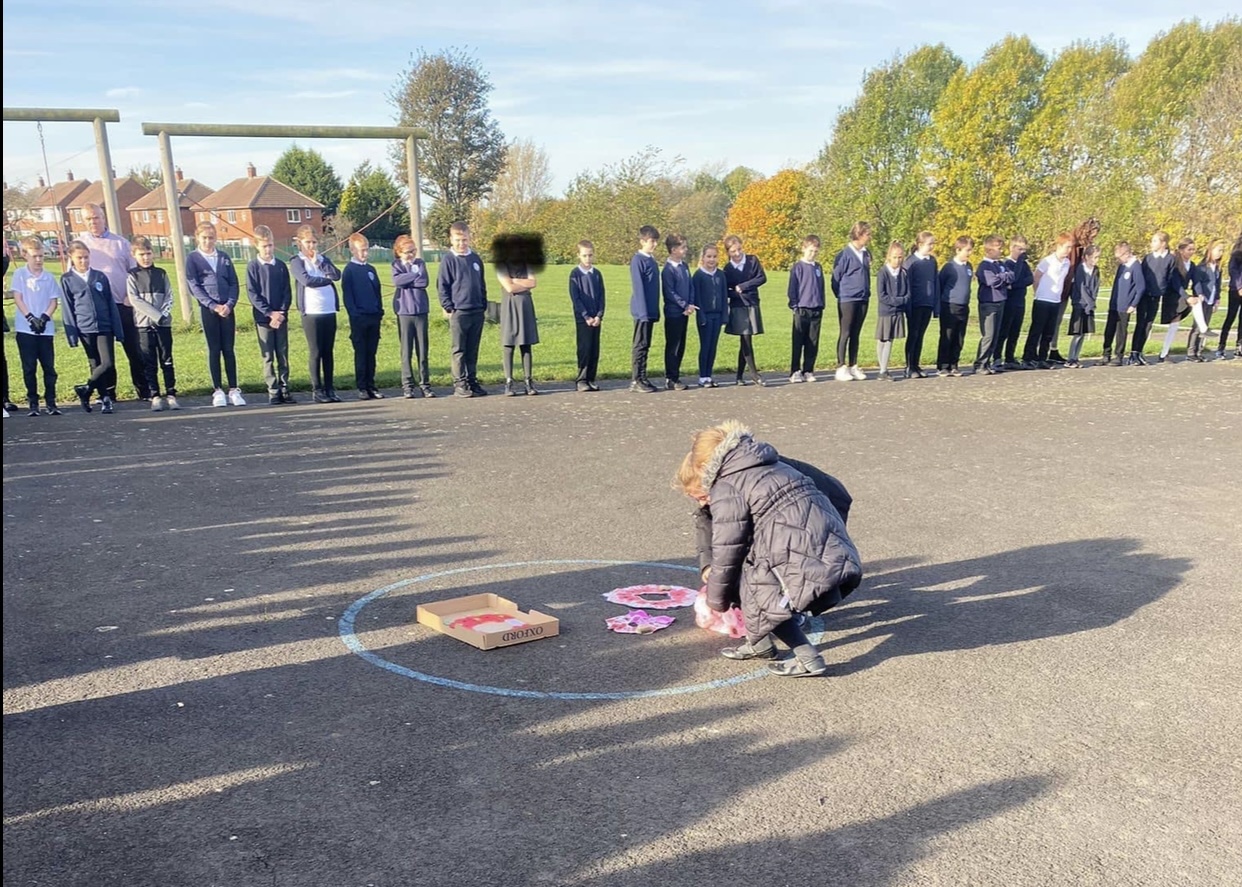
pixel 180 175
pixel 114 172
pixel 250 171
pixel 69 176
pixel 42 184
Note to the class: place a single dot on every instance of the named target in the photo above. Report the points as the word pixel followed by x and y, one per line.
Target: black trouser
pixel 990 316
pixel 364 334
pixel 850 316
pixel 953 320
pixel 1144 317
pixel 4 368
pixel 587 337
pixel 1235 305
pixel 639 348
pixel 1011 328
pixel 412 331
pixel 274 348
pixel 674 345
pixel 920 319
pixel 155 343
pixel 788 633
pixel 1043 324
pixel 1194 342
pixel 320 330
pixel 709 326
pixel 37 352
pixel 806 324
pixel 221 333
pixel 1116 330
pixel 465 334
pixel 101 357
pixel 1056 327
pixel 131 342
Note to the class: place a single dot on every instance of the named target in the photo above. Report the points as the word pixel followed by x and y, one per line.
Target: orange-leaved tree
pixel 767 215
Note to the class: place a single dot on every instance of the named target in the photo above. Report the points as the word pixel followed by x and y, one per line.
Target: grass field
pixel 554 357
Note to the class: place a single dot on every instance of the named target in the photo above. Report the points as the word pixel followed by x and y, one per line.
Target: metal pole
pixel 416 213
pixel 172 201
pixel 105 174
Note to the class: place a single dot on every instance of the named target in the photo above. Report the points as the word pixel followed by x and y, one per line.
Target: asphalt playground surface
pixel 1037 684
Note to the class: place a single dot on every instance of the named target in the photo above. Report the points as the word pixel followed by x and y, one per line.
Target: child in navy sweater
pixel 644 305
pixel 993 292
pixel 744 275
pixel 1207 292
pixel 361 288
pixel 806 301
pixel 586 293
pixel 924 299
pixel 315 277
pixel 1179 298
pixel 711 299
pixel 1129 286
pixel 271 295
pixel 678 308
pixel 955 279
pixel 1083 295
pixel 1157 277
pixel 892 284
pixel 411 305
pixel 463 296
pixel 213 282
pixel 851 284
pixel 1235 303
pixel 1015 304
pixel 93 321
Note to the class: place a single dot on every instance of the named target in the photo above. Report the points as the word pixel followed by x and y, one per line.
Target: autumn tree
pixel 524 183
pixel 372 196
pixel 305 171
pixel 870 168
pixel 446 94
pixel 148 175
pixel 767 215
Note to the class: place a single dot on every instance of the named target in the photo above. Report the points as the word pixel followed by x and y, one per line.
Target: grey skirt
pixel 891 327
pixel 517 320
pixel 745 320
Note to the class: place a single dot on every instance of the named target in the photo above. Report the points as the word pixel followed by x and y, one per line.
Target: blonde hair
pixel 303 232
pixel 31 243
pixel 264 234
pixel 894 248
pixel 689 477
pixel 140 244
pixel 359 240
pixel 204 226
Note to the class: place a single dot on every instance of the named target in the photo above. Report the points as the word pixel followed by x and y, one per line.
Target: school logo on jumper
pixel 371 274
pixel 99 286
pixel 476 267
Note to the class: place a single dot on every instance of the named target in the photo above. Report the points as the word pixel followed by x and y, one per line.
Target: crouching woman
pixel 779 548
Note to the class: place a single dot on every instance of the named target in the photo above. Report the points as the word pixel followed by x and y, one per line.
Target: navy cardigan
pixel 409 297
pixel 212 288
pixel 851 276
pixel 893 291
pixel 1129 286
pixel 322 274
pixel 924 282
pixel 749 278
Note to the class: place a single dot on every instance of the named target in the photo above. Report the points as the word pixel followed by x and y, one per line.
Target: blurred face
pixel 408 254
pixel 1187 252
pixel 144 257
pixel 360 251
pixel 1017 250
pixel 96 221
pixel 1158 245
pixel 810 252
pixel 711 258
pixel 1217 253
pixel 863 240
pixel 925 248
pixel 963 253
pixel 309 244
pixel 1062 251
pixel 267 249
pixel 895 258
pixel 34 259
pixel 460 241
pixel 206 240
pixel 992 250
pixel 81 260
pixel 736 253
pixel 678 253
pixel 648 244
pixel 586 256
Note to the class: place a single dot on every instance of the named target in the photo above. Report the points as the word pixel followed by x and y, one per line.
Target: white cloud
pixel 124 92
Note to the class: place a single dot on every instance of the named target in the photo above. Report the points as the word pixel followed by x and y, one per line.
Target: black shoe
pixel 530 388
pixel 1139 359
pixel 107 405
pixel 459 391
pixel 1197 358
pixel 84 396
pixel 1055 357
pixel 1162 358
pixel 509 392
pixel 52 409
pixel 427 392
pixel 10 407
pixel 332 396
pixel 884 377
pixel 713 384
pixel 1115 362
pixel 478 390
pixel 275 400
pixel 987 371
pixel 741 383
pixel 320 396
pixel 645 386
pixel 363 394
pixel 34 409
pixel 376 395
pixel 286 397
pixel 591 386
pixel 796 668
pixel 746 651
pixel 679 385
pixel 919 374
pixel 758 379
pixel 408 394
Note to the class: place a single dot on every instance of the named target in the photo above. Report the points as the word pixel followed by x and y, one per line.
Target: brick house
pixel 43 217
pixel 148 215
pixel 128 190
pixel 245 203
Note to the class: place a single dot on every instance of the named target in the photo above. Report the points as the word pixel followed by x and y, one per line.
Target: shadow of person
pixel 1025 594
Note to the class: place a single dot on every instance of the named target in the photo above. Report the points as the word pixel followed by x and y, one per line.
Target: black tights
pixel 506 361
pixel 746 355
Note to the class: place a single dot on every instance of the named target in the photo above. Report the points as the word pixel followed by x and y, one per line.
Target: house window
pixel 215 219
pixel 308 215
pixel 202 217
pixel 232 215
pixel 146 215
pixel 77 215
pixel 243 217
pixel 293 216
pixel 159 216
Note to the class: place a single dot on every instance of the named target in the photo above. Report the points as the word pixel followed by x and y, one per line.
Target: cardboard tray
pixel 441 615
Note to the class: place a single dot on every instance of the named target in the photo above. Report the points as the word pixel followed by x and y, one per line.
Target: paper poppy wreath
pixel 638 622
pixel 652 597
pixel 487 622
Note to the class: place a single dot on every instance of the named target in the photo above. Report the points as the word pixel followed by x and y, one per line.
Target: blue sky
pixel 723 83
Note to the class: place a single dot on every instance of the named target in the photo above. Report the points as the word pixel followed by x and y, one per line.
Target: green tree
pixel 870 168
pixel 971 146
pixel 523 184
pixel 446 94
pixel 148 175
pixel 768 217
pixel 700 217
pixel 371 193
pixel 739 179
pixel 304 170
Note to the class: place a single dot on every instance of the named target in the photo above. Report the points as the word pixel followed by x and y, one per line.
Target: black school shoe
pixel 796 668
pixel 427 392
pixel 746 651
pixel 107 405
pixel 84 396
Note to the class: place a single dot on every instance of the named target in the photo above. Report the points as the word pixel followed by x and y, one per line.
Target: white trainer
pixel 157 405
pixel 235 397
pixel 795 378
pixel 172 402
pixel 859 375
pixel 219 398
pixel 808 377
pixel 844 374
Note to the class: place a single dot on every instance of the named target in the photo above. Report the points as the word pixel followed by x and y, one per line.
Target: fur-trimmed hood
pixel 737 438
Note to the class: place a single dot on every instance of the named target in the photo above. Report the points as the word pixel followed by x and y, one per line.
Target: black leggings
pixel 101 357
pixel 506 361
pixel 320 330
pixel 220 333
pixel 746 355
pixel 1235 305
pixel 850 315
pixel 920 319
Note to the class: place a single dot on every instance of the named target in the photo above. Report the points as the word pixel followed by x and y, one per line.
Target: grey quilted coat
pixel 778 545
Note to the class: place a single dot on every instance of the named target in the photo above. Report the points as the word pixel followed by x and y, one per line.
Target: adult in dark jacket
pixel 779 546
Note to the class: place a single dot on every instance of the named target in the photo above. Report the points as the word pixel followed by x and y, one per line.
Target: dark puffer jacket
pixel 778 545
